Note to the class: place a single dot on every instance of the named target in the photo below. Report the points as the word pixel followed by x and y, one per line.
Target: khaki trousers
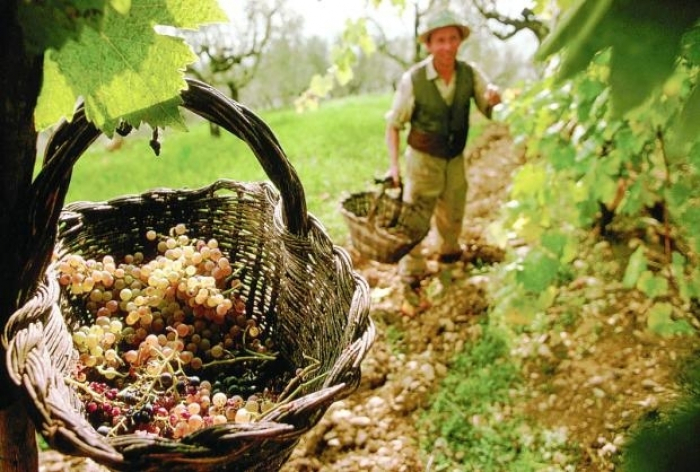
pixel 440 186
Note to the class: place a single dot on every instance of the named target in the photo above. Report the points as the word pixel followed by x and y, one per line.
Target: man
pixel 434 97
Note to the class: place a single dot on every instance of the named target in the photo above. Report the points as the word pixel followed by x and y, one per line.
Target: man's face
pixel 443 43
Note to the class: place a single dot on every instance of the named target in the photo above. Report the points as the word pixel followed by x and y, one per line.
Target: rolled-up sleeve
pixel 481 82
pixel 402 106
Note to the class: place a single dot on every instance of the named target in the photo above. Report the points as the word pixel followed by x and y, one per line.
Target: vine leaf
pixel 53 22
pixel 661 322
pixel 690 117
pixel 645 37
pixel 635 267
pixel 538 272
pixel 125 70
pixel 652 285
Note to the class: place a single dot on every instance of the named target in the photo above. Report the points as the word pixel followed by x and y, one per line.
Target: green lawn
pixel 335 149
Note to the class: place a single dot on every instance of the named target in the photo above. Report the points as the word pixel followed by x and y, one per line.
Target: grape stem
pixel 255 356
pixel 297 382
pixel 85 388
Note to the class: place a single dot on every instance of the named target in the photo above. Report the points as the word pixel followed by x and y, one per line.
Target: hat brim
pixel 464 29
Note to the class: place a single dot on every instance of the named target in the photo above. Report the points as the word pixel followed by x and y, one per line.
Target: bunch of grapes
pixel 156 329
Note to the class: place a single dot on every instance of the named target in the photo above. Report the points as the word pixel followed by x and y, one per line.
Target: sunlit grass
pixel 335 149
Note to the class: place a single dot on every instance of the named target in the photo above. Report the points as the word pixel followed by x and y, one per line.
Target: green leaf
pixel 321 84
pixel 538 272
pixel 530 180
pixel 637 195
pixel 636 265
pixel 645 37
pixel 344 75
pixel 49 24
pixel 689 119
pixel 555 242
pixel 62 102
pixel 660 321
pixel 580 32
pixel 628 142
pixel 679 193
pixel 652 285
pixel 642 62
pixel 122 6
pixel 126 70
pixel 562 157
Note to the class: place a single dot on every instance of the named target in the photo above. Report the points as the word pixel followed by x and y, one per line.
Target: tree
pixel 527 20
pixel 67 49
pixel 286 69
pixel 232 60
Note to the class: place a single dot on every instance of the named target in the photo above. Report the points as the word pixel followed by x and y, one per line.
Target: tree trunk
pixel 20 83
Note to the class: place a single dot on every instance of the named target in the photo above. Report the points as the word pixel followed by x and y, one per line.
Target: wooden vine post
pixel 20 83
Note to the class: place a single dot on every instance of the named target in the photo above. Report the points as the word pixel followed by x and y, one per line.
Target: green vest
pixel 438 129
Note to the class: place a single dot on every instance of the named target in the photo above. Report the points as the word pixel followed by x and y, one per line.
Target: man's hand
pixel 393 175
pixel 492 95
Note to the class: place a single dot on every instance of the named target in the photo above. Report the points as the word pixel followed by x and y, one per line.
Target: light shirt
pixel 404 100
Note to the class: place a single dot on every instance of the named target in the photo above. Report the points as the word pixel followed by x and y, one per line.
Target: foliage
pixel 121 67
pixel 645 38
pixel 669 441
pixel 589 163
pixel 355 41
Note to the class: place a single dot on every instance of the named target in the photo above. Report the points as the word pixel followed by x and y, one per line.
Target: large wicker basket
pixel 383 227
pixel 297 283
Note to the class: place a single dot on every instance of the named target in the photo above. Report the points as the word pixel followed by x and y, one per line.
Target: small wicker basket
pixel 299 285
pixel 383 227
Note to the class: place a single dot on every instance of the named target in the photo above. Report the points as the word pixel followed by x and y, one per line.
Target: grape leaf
pixel 580 31
pixel 652 285
pixel 51 23
pixel 690 117
pixel 636 265
pixel 645 37
pixel 660 321
pixel 539 271
pixel 126 70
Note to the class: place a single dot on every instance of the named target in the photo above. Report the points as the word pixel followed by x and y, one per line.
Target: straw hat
pixel 442 19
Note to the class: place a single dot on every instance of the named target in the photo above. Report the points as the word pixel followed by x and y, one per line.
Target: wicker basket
pixel 382 226
pixel 295 281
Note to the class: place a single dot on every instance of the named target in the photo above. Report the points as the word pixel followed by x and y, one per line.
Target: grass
pixel 471 424
pixel 335 149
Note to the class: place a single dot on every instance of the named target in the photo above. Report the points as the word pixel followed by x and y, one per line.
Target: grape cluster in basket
pixel 169 348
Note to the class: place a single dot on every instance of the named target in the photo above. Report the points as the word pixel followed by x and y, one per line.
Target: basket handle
pixel 71 139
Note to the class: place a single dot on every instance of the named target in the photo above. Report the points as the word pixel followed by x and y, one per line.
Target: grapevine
pixel 167 347
pixel 593 175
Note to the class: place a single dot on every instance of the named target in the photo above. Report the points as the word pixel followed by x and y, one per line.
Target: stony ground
pixel 592 381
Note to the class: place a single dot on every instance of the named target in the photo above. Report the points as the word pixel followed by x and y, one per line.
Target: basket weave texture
pixel 382 226
pixel 295 281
